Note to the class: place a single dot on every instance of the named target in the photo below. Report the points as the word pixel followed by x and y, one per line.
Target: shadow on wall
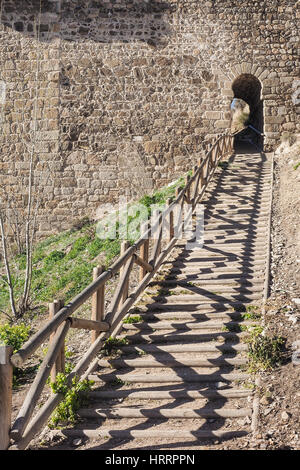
pixel 107 22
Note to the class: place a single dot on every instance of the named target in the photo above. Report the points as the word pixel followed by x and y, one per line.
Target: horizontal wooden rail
pixel 143 263
pixel 101 325
pixel 84 324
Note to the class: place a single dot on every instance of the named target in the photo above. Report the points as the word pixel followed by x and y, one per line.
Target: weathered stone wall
pixel 119 97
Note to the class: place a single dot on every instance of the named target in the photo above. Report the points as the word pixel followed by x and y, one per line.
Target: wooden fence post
pixel 98 304
pixel 124 247
pixel 194 185
pixel 62 356
pixel 170 221
pixel 144 252
pixel 59 365
pixel 6 379
pixel 179 215
pixel 188 191
pixel 201 174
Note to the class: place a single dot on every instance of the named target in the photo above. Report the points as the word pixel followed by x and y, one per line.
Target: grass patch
pixel 135 319
pixel 119 382
pixel 223 165
pixel 252 313
pixel 112 345
pixel 265 352
pixel 16 336
pixel 164 292
pixel 63 263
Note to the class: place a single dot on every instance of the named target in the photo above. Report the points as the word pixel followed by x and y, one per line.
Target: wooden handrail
pixel 102 325
pixel 39 382
pixel 143 263
pixel 84 324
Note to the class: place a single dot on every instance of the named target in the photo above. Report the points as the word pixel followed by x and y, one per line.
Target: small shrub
pixel 223 165
pixel 14 335
pixel 135 319
pixel 252 313
pixel 265 352
pixel 75 397
pixel 113 344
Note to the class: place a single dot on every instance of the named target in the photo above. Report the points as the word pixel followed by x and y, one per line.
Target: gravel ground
pixel 279 410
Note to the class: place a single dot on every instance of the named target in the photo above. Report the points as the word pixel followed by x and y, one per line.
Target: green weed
pixel 113 344
pixel 252 312
pixel 134 319
pixel 265 352
pixel 74 397
pixel 14 335
pixel 296 166
pixel 223 165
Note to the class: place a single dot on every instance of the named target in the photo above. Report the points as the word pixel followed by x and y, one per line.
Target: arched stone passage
pixel 248 88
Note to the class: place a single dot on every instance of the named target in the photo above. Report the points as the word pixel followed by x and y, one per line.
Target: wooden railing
pixel 102 324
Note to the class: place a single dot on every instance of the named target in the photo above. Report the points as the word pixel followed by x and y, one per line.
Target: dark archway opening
pixel 248 89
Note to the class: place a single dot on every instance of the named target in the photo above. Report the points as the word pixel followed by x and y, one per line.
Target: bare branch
pixel 10 318
pixel 7 267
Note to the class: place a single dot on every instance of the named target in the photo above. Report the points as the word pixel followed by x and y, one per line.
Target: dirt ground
pixel 279 407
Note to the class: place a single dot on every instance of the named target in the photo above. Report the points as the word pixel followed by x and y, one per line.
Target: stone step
pixel 208 296
pixel 218 278
pixel 236 214
pixel 210 246
pixel 209 305
pixel 242 227
pixel 185 376
pixel 152 434
pixel 214 212
pixel 220 264
pixel 184 413
pixel 223 250
pixel 163 360
pixel 239 183
pixel 184 336
pixel 255 203
pixel 209 394
pixel 171 288
pixel 228 212
pixel 218 272
pixel 184 348
pixel 224 190
pixel 189 316
pixel 216 239
pixel 185 325
pixel 217 258
pixel 212 284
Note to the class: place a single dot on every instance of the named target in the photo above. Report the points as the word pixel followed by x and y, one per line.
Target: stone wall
pixel 120 97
